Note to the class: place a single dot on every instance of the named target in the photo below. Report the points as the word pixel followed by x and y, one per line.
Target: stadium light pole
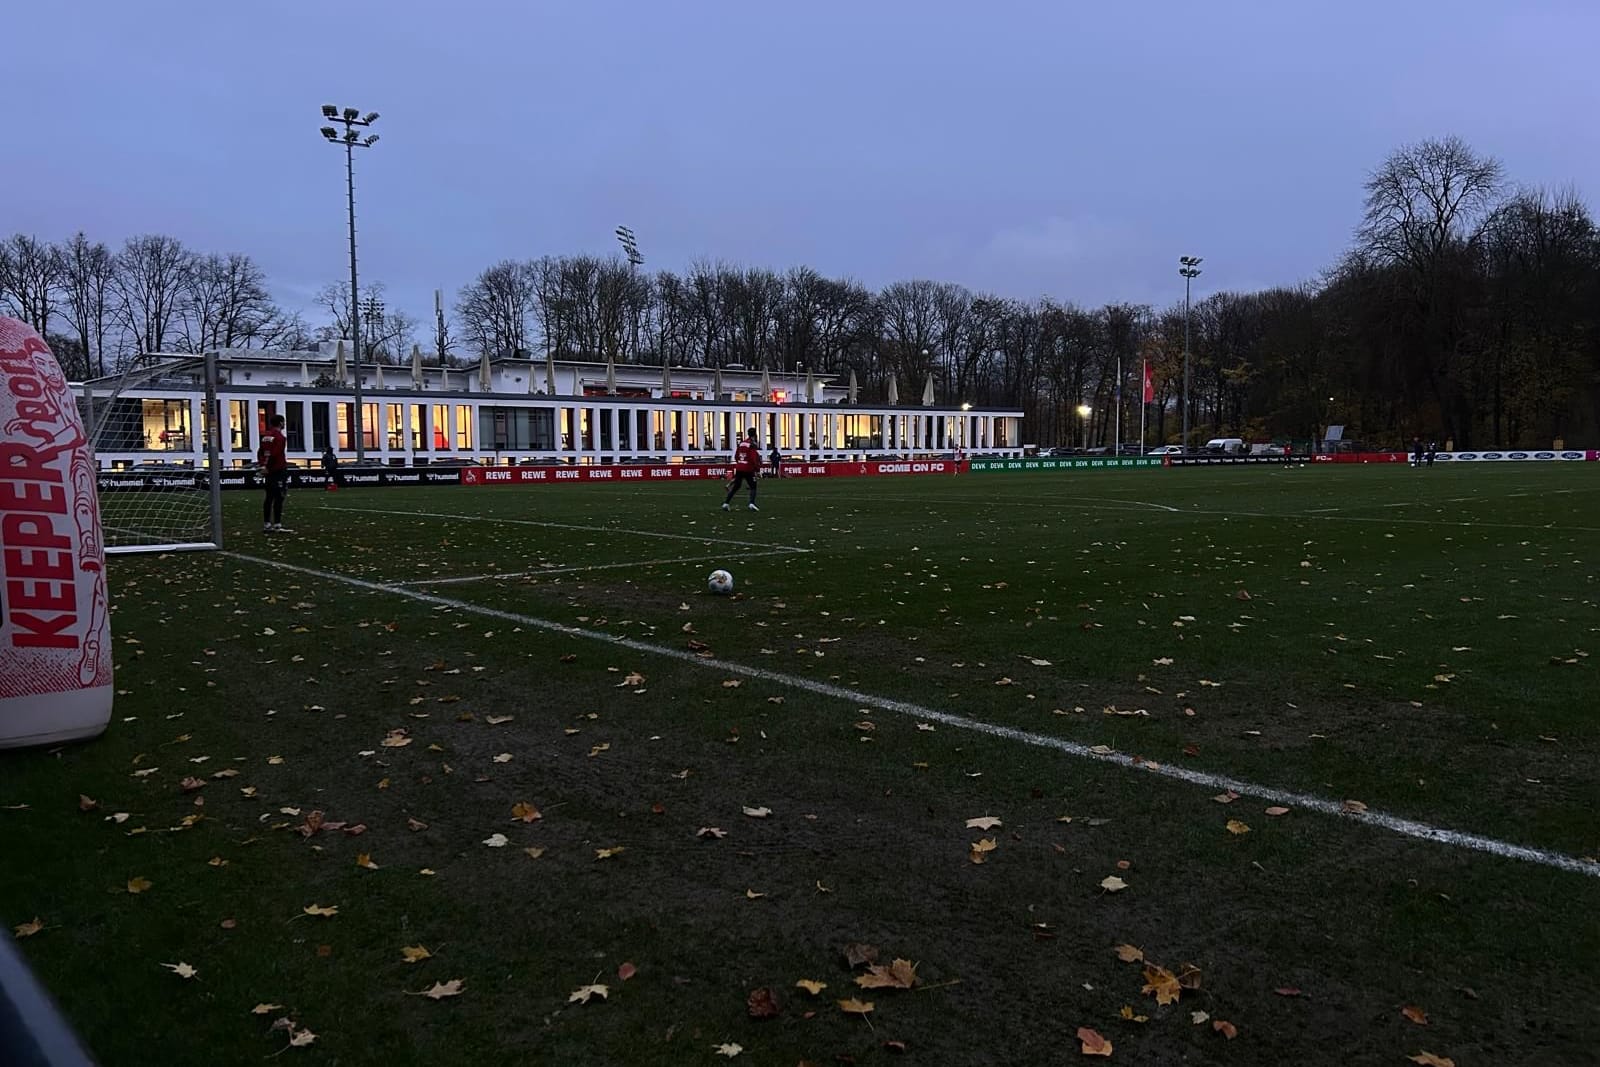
pixel 630 245
pixel 352 138
pixel 1189 267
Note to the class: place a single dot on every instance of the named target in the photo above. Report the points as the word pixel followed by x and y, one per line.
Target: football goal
pixel 154 431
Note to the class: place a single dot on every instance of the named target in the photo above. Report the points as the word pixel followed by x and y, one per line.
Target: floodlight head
pixel 329 111
pixel 350 136
pixel 371 139
pixel 330 133
pixel 370 118
pixel 1084 410
pixel 351 113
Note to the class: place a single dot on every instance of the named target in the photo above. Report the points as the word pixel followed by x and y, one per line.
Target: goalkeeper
pixel 274 461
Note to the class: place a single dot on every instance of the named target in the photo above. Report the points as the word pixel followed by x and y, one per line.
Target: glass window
pixel 319 425
pixel 394 427
pixel 440 427
pixel 239 425
pixel 294 426
pixel 463 426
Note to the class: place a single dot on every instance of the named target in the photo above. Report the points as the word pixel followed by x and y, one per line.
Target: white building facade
pixel 511 411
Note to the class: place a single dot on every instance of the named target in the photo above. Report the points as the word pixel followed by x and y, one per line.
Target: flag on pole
pixel 1149 384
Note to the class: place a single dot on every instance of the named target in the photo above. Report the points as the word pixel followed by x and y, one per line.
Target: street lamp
pixel 1084 411
pixel 1189 267
pixel 351 139
pixel 630 246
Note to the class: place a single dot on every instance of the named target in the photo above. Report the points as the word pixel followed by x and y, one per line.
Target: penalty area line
pixel 1393 823
pixel 590 567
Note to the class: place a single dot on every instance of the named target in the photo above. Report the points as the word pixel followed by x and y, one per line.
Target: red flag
pixel 1149 385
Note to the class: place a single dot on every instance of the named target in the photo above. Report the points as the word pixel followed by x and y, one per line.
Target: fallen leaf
pixel 1126 1012
pixel 87 804
pixel 396 739
pixel 852 1006
pixel 715 832
pixel 1225 1028
pixel 496 720
pixel 414 954
pixel 440 990
pixel 901 974
pixel 29 929
pixel 504 757
pixel 810 986
pixel 582 994
pixel 762 1003
pixel 1162 983
pixel 626 971
pixel 1113 884
pixel 855 954
pixel 190 784
pixel 323 912
pixel 525 812
pixel 534 851
pixel 1198 1017
pixel 1129 954
pixel 751 894
pixel 264 1009
pixel 728 1049
pixel 181 969
pixel 1275 812
pixel 496 840
pixel 1287 991
pixel 1428 1059
pixel 365 860
pixel 1354 807
pixel 301 1038
pixel 139 885
pixel 607 853
pixel 1237 827
pixel 757 813
pixel 1091 1043
pixel 983 822
pixel 416 825
pixel 1227 797
pixel 1415 1014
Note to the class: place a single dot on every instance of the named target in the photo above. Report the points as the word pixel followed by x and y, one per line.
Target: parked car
pixel 1166 450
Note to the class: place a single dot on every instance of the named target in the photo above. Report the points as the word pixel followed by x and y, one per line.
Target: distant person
pixel 1416 451
pixel 746 464
pixel 330 467
pixel 273 458
pixel 1433 452
pixel 775 462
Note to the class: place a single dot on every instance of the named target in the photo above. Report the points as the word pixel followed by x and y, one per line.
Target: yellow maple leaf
pixel 263 1009
pixel 321 911
pixel 365 860
pixel 1236 827
pixel 440 990
pixel 1129 953
pixel 901 974
pixel 852 1006
pixel 29 929
pixel 139 885
pixel 811 986
pixel 607 853
pixel 414 953
pixel 181 969
pixel 522 811
pixel 1163 983
pixel 1127 1013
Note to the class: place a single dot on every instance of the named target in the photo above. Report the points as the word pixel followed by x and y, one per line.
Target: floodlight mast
pixel 352 121
pixel 1189 267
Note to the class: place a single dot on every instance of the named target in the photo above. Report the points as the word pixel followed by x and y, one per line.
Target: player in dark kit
pixel 746 465
pixel 274 461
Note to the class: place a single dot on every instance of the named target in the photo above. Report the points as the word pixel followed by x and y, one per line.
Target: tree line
pixel 1466 309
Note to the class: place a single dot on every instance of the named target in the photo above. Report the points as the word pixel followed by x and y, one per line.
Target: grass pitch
pixel 897 661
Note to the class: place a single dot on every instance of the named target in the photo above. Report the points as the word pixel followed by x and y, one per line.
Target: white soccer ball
pixel 720 583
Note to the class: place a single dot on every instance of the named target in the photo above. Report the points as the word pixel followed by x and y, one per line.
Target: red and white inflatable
pixel 55 630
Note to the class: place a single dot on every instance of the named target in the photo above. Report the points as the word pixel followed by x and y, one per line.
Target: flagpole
pixel 1144 376
pixel 1116 437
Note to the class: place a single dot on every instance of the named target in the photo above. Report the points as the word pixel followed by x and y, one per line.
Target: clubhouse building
pixel 508 411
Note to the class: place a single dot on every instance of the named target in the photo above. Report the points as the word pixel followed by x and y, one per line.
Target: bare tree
pixel 226 304
pixel 494 308
pixel 151 280
pixel 31 280
pixel 1424 199
pixel 87 274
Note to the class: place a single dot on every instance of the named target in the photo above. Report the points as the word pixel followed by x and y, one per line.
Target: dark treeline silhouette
pixel 1467 310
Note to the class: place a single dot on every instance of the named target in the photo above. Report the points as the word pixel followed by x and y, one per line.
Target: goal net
pixel 153 429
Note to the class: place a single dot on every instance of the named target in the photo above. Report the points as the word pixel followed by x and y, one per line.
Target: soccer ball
pixel 720 583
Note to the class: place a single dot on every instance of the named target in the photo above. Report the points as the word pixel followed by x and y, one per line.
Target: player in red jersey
pixel 274 461
pixel 746 465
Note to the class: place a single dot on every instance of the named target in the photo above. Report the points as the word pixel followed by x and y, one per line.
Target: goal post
pixel 155 432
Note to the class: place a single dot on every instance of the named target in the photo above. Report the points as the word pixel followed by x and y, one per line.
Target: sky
pixel 1020 147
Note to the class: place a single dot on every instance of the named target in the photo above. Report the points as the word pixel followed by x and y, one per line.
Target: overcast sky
pixel 1025 148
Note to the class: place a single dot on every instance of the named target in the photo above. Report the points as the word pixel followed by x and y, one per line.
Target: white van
pixel 1227 446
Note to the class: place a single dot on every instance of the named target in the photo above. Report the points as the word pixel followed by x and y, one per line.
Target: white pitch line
pixel 591 567
pixel 856 698
pixel 710 539
pixel 1054 502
